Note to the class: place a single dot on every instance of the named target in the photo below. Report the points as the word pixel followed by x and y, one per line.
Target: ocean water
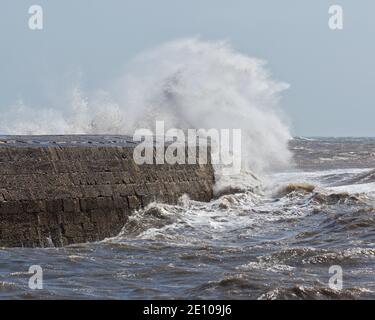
pixel 276 240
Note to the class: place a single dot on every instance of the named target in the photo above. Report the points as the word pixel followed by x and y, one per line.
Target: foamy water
pixel 271 233
pixel 277 241
pixel 188 84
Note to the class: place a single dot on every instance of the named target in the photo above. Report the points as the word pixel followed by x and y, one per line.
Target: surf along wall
pixel 64 192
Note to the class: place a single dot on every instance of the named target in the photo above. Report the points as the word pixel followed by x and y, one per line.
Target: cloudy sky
pixel 331 73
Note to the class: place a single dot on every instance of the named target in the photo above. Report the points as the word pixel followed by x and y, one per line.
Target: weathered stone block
pixel 71 205
pixel 54 206
pixel 87 204
pixel 75 194
pixel 134 202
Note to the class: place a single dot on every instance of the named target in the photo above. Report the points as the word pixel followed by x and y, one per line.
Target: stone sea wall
pixel 59 195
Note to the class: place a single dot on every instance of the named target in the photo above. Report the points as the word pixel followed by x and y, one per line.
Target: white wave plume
pixel 188 83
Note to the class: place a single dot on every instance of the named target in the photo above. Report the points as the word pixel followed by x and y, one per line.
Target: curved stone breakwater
pixel 56 191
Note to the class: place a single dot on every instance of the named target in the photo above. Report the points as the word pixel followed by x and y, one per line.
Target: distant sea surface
pixel 278 242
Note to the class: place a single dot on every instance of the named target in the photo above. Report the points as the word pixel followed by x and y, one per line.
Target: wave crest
pixel 188 83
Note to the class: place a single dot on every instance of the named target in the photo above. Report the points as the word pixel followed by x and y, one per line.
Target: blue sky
pixel 331 73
